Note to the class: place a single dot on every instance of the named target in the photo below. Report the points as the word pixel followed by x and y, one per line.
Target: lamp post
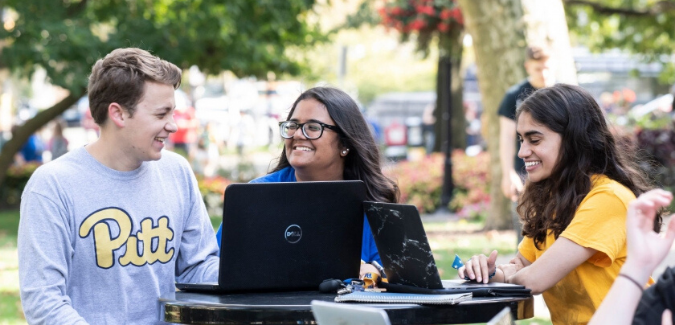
pixel 446 102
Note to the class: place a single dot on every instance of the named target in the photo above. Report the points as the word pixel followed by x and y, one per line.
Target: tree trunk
pixel 450 49
pixel 545 24
pixel 496 27
pixel 23 132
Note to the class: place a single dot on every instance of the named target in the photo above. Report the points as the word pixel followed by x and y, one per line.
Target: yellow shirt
pixel 599 223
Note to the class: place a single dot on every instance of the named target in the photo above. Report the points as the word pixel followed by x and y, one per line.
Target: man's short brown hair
pixel 120 78
pixel 537 53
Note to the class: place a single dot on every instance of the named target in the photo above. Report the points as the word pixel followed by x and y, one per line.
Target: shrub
pixel 659 146
pixel 421 182
pixel 15 181
pixel 213 192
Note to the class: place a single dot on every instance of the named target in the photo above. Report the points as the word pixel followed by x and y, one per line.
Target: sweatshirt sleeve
pixel 45 252
pixel 198 259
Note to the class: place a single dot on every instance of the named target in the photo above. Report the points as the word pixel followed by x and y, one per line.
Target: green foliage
pixel 654 122
pixel 67 37
pixel 12 187
pixel 644 27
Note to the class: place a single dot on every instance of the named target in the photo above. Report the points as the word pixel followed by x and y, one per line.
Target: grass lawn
pixel 10 304
pixel 446 238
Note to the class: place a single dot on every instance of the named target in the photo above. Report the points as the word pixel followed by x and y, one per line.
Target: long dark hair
pixel 587 148
pixel 363 160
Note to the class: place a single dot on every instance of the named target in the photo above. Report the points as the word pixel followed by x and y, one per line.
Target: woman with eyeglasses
pixel 326 138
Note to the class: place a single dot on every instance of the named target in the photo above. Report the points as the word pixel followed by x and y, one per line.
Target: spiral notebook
pixel 404 298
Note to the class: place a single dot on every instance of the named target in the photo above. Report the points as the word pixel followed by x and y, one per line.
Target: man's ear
pixel 117 114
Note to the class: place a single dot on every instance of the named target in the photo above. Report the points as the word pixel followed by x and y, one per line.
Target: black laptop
pixel 288 236
pixel 408 260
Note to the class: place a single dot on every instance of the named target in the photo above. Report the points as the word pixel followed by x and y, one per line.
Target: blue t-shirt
pixel 32 149
pixel 368 248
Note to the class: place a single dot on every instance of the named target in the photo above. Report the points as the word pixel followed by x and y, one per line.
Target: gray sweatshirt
pixel 100 246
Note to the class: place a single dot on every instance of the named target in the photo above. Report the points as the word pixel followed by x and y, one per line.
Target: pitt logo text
pixel 106 245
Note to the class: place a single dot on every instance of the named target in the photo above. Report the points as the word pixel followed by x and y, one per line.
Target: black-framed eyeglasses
pixel 311 130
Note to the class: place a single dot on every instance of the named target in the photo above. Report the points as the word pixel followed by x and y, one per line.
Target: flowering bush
pixel 213 192
pixel 470 175
pixel 421 182
pixel 421 16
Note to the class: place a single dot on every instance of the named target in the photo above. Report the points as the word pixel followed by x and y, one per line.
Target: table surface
pixel 294 308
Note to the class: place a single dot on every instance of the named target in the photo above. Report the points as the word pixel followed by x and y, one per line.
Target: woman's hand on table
pixel 479 267
pixel 368 268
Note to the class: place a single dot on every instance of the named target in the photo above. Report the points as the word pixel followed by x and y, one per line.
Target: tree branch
pixel 22 133
pixel 658 8
pixel 75 9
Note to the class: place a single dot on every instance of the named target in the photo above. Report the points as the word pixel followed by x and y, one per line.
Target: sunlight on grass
pixel 464 238
pixel 9 270
pixel 446 246
pixel 9 227
pixel 461 225
pixel 10 303
pixel 10 308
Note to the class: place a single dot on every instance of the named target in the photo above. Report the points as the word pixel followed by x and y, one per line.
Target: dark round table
pixel 294 308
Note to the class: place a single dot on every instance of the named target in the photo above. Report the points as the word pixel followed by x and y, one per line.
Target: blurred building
pixel 612 71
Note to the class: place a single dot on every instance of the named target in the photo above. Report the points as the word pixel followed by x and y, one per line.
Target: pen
pixel 379 268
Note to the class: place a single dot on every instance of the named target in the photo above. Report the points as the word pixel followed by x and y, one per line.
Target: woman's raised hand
pixel 479 267
pixel 646 248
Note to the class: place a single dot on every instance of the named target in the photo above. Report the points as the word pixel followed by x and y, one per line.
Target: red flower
pixel 455 13
pixel 446 14
pixel 443 27
pixel 417 24
pixel 395 11
pixel 460 18
pixel 429 10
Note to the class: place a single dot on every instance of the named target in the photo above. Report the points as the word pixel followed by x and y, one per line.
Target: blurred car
pixel 662 103
pixel 74 114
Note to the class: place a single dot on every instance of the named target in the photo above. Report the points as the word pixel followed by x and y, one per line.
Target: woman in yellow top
pixel 573 207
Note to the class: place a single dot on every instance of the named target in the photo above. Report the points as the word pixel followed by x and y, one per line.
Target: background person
pixel 186 134
pixel 31 151
pixel 573 207
pixel 58 144
pixel 539 68
pixel 326 138
pixel 108 228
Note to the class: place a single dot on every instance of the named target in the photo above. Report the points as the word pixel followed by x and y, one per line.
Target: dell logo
pixel 293 234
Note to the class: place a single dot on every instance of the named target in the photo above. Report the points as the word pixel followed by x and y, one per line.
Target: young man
pixel 540 74
pixel 108 228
